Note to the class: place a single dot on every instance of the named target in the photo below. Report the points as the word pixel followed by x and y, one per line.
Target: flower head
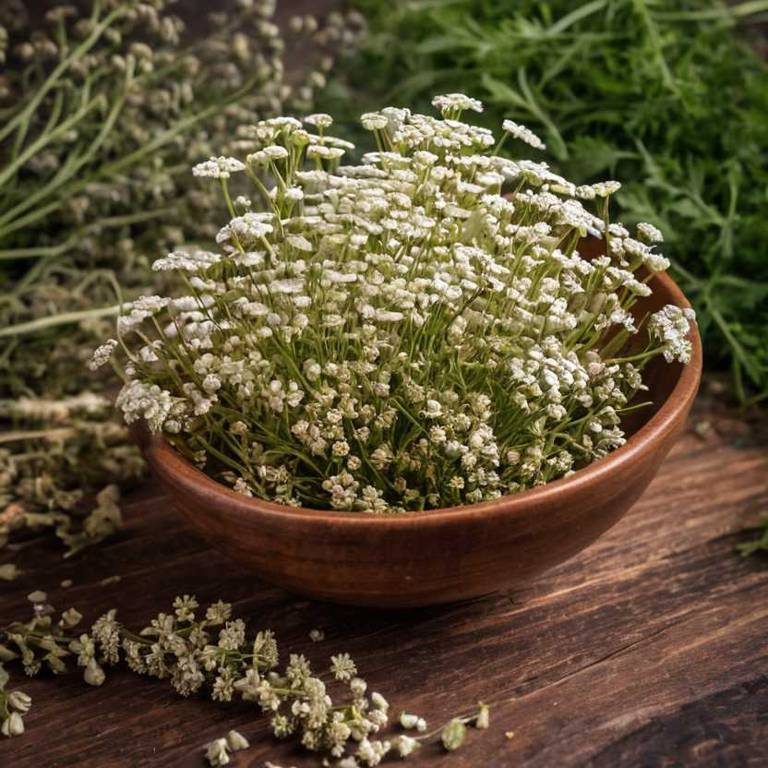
pixel 218 167
pixel 524 134
pixel 455 103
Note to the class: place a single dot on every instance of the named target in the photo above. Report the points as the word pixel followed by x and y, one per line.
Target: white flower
pixel 379 702
pixel 294 194
pixel 406 745
pixel 217 753
pixel 218 167
pixel 340 448
pixel 102 354
pixel 139 400
pixel 372 752
pixel 186 261
pixel 13 725
pixel 249 226
pixel 524 134
pixel 319 120
pixel 267 155
pixel 606 188
pixel 671 325
pixel 374 121
pixel 139 310
pixel 322 152
pixel 387 316
pixel 299 242
pixel 450 103
pixel 656 262
pixel 236 741
pixel 648 233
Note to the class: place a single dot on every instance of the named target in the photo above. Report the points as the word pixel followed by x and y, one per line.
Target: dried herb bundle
pixel 103 107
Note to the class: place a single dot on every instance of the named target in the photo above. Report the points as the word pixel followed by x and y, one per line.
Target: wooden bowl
pixel 445 555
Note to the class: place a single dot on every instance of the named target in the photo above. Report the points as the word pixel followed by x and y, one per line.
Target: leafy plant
pixel 666 97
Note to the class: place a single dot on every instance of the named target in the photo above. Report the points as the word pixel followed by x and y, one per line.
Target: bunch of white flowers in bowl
pixel 415 332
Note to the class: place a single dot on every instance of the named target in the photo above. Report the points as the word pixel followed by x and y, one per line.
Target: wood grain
pixel 648 649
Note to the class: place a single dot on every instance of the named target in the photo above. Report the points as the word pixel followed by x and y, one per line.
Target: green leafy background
pixel 669 98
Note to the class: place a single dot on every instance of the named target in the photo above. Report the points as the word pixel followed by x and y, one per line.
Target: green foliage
pixel 666 97
pixel 759 544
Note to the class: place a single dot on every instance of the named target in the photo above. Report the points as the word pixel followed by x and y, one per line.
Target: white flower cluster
pixel 416 331
pixel 524 134
pixel 670 327
pixel 218 167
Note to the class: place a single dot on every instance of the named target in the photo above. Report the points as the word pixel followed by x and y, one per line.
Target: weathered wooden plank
pixel 648 649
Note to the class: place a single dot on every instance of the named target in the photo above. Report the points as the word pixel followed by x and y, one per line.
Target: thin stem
pixel 65 318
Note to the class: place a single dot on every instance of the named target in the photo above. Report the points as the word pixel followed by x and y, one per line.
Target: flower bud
pixel 406 745
pixel 20 701
pixel 483 719
pixel 217 753
pixel 70 618
pixel 236 741
pixel 94 674
pixel 12 725
pixel 6 654
pixel 379 702
pixel 453 735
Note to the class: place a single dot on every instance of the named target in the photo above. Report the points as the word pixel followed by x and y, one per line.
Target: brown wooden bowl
pixel 445 555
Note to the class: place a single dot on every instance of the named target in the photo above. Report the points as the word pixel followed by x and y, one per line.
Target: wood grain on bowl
pixel 439 556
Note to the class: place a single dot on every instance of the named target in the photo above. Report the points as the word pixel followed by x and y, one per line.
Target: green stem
pixel 53 321
pixel 26 113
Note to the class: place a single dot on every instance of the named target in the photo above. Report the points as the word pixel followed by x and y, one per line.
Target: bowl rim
pixel 160 454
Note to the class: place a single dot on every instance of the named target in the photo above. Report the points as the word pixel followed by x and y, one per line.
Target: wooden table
pixel 649 649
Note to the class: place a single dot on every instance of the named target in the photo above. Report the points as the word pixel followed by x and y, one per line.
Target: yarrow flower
pixel 219 167
pixel 648 233
pixel 400 334
pixel 374 121
pixel 524 134
pixel 319 120
pixel 453 103
pixel 671 326
pixel 606 188
pixel 102 354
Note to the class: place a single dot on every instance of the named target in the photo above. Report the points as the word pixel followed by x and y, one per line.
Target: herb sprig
pixel 210 651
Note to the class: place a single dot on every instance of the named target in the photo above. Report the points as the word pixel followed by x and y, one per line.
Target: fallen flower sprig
pixel 210 651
